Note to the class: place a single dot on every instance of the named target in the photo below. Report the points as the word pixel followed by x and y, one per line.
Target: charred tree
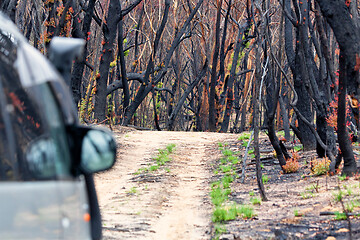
pixel 149 84
pixel 195 82
pixel 337 14
pixel 214 75
pixel 107 56
pixel 242 40
pixel 79 65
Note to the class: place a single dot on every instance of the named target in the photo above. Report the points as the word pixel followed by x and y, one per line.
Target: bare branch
pixel 164 89
pixel 130 7
pixel 118 83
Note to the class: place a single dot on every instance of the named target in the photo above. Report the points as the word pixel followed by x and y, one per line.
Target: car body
pixel 46 158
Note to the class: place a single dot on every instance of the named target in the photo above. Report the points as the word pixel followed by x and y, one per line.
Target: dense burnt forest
pixel 218 65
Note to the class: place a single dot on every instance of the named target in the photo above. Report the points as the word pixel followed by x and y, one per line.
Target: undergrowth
pixel 320 166
pixel 292 164
pixel 160 160
pixel 224 209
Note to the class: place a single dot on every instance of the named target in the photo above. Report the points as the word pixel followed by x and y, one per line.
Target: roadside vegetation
pixel 304 187
pixel 160 160
pixel 224 208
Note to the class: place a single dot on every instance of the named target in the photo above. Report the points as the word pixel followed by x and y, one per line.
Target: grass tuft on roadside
pixel 161 159
pixel 224 209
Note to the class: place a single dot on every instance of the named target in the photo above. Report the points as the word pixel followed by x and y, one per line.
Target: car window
pixel 56 128
pixel 8 166
pixel 35 132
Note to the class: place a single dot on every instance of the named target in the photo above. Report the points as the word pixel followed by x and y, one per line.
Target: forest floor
pixel 173 201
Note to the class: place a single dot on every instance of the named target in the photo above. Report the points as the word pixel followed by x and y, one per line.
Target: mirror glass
pixel 98 151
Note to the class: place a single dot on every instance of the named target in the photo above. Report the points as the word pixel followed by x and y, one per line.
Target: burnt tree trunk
pixel 156 117
pixel 242 40
pixel 343 134
pixel 213 81
pixel 256 115
pixel 230 94
pixel 109 31
pixel 122 63
pixel 79 65
pixel 304 103
pixel 223 55
pixel 325 78
pixel 272 93
pixel 346 32
pixel 285 118
pixel 298 70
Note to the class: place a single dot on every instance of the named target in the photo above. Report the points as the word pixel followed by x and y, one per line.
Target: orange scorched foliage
pixel 292 164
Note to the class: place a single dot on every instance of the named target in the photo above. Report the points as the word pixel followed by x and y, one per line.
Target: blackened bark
pixel 306 65
pixel 283 113
pixel 298 113
pixel 122 62
pixel 130 7
pixel 198 109
pixel 304 105
pixel 346 33
pixel 322 99
pixel 314 80
pixel 275 141
pixel 284 150
pixel 325 78
pixel 176 85
pixel 52 9
pixel 243 117
pixel 223 55
pixel 343 134
pixel 297 65
pixel 347 36
pixel 213 81
pixel 79 65
pixel 109 31
pixel 273 90
pixel 242 40
pixel 240 90
pixel 136 48
pixel 61 24
pixel 148 86
pixel 156 118
pixel 285 118
pixel 289 51
pixel 289 46
pixel 272 95
pixel 270 122
pixel 321 130
pixel 256 138
pixel 230 94
pixel 325 48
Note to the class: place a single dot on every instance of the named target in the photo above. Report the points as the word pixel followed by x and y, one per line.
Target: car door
pixel 29 202
pixel 38 77
pixel 72 196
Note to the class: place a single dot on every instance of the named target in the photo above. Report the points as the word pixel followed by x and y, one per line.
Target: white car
pixel 46 157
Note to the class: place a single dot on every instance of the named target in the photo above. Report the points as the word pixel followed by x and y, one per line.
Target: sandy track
pixel 162 205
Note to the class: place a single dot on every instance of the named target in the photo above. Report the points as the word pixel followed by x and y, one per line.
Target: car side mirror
pixel 98 151
pixel 62 53
pixel 93 149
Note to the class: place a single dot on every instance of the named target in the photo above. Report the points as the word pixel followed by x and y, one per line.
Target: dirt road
pixel 170 203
